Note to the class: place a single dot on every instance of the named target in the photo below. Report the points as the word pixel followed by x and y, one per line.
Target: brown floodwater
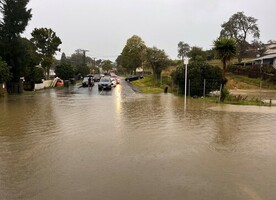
pixel 78 143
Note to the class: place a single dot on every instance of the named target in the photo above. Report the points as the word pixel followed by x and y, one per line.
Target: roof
pixel 270 56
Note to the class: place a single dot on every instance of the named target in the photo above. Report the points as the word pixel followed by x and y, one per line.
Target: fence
pixel 197 88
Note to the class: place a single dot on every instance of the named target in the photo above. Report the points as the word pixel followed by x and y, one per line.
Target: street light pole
pixel 186 61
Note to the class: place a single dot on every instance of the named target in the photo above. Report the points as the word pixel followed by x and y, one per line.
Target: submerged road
pixel 76 143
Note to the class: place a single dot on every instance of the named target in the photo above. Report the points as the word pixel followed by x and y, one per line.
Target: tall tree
pixel 132 54
pixel 183 50
pixel 15 18
pixel 157 60
pixel 225 48
pixel 107 65
pixel 240 27
pixel 4 71
pixel 47 43
pixel 30 61
pixel 63 59
pixel 196 54
pixel 259 46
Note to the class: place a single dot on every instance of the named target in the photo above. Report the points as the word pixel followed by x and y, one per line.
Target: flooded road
pixel 78 143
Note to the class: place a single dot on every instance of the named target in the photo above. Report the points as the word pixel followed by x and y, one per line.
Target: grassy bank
pixel 148 85
pixel 244 82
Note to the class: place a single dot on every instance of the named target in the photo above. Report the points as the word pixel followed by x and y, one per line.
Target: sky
pixel 104 26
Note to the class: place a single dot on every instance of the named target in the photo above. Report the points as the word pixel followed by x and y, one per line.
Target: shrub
pixel 65 71
pixel 4 71
pixel 197 73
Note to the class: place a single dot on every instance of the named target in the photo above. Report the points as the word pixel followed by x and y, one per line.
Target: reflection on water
pixel 84 144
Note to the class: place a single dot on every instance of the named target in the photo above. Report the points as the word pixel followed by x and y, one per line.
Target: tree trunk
pixel 15 87
pixel 224 79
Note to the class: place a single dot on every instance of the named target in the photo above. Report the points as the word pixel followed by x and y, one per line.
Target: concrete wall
pixel 45 84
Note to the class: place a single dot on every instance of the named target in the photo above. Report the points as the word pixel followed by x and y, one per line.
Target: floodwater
pixel 78 143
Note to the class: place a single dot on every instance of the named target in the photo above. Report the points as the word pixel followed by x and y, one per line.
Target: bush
pixel 65 71
pixel 4 71
pixel 34 74
pixel 224 94
pixel 197 73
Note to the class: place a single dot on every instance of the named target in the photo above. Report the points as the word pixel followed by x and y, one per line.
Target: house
pixel 266 60
pixel 270 48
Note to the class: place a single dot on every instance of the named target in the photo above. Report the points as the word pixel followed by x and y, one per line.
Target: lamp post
pixel 186 62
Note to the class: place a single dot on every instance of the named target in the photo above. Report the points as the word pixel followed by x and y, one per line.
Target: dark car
pixel 105 84
pixel 85 81
pixel 133 78
pixel 97 77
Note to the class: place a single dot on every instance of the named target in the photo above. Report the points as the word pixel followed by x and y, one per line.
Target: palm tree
pixel 225 48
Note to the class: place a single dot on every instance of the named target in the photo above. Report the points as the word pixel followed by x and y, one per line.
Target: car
pixel 105 83
pixel 113 81
pixel 96 77
pixel 133 78
pixel 85 81
pixel 116 78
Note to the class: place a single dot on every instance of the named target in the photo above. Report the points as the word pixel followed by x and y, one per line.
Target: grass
pixel 244 82
pixel 149 86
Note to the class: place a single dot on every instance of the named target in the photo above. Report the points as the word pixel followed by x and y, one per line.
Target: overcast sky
pixel 103 26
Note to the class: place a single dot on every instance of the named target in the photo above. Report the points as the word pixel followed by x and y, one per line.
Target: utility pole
pixel 84 54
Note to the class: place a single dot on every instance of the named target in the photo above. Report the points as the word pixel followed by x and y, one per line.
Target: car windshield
pixel 105 80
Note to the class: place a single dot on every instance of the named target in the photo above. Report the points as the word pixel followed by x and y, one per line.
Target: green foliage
pixel 183 50
pixel 197 72
pixel 81 69
pixel 15 18
pixel 46 42
pixel 240 100
pixel 148 85
pixel 34 74
pixel 225 49
pixel 224 94
pixel 210 54
pixel 240 27
pixel 13 21
pixel 132 55
pixel 4 71
pixel 65 71
pixel 157 60
pixel 196 54
pixel 107 65
pixel 259 46
pixel 30 61
pixel 63 59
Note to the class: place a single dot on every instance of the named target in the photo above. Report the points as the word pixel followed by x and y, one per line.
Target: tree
pixel 81 69
pixel 157 60
pixel 132 54
pixel 271 41
pixel 196 54
pixel 225 48
pixel 4 71
pixel 107 65
pixel 30 62
pixel 240 27
pixel 259 46
pixel 65 71
pixel 15 17
pixel 47 44
pixel 183 50
pixel 63 59
pixel 197 73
